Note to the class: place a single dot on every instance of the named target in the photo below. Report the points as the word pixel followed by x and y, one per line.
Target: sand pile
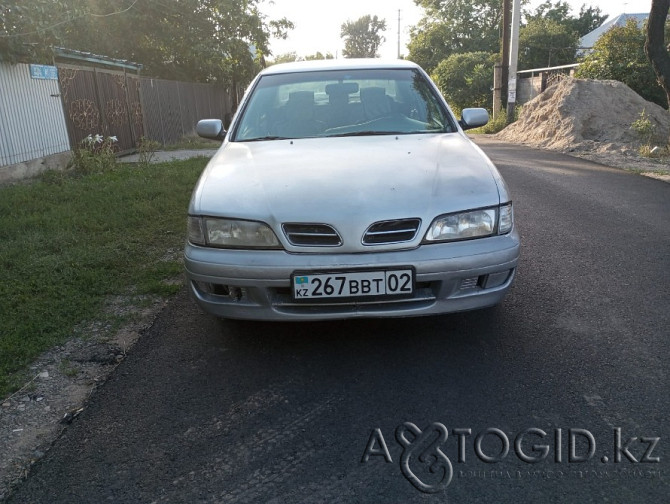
pixel 585 115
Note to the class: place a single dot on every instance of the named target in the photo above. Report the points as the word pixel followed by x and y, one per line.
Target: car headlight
pixel 472 224
pixel 230 233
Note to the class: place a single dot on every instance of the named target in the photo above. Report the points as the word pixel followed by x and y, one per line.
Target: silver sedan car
pixel 346 188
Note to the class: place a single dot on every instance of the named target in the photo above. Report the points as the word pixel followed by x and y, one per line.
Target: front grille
pixel 312 235
pixel 392 231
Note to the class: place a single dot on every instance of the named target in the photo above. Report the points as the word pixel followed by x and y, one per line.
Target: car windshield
pixel 340 103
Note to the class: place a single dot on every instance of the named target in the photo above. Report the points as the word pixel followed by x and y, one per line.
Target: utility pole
pixel 513 58
pixel 506 37
pixel 398 33
pixel 501 69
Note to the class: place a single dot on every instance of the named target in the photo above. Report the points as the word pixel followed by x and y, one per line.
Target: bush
pixel 498 124
pixel 95 154
pixel 465 79
pixel 147 150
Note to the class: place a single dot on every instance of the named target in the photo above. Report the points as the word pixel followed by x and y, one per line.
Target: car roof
pixel 338 64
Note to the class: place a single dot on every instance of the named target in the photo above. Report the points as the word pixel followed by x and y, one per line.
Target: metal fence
pixel 531 83
pixel 101 102
pixel 114 103
pixel 55 112
pixel 32 123
pixel 172 109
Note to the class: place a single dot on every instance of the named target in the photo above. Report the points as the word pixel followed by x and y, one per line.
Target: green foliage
pixel 319 56
pixel 293 56
pixel 147 150
pixel 646 131
pixel 289 57
pixel 465 79
pixel 589 18
pixel 550 35
pixel 498 124
pixel 429 44
pixel 29 29
pixel 619 55
pixel 647 135
pixel 361 37
pixel 545 42
pixel 643 127
pixel 67 247
pixel 201 40
pixel 457 26
pixel 95 154
pixel 548 10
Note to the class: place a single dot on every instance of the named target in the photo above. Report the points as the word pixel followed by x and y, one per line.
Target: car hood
pixel 348 183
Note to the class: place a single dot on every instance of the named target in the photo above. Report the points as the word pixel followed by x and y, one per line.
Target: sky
pixel 317 23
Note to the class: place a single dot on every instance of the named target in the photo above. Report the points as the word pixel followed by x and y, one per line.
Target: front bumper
pixel 255 284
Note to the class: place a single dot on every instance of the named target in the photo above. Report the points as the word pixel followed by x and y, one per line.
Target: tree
pixel 429 44
pixel 319 56
pixel 544 42
pixel 29 29
pixel 455 26
pixel 288 57
pixel 589 18
pixel 559 11
pixel 619 55
pixel 654 46
pixel 201 40
pixel 465 79
pixel 362 38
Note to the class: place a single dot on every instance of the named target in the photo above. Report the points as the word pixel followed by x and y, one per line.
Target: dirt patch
pixel 62 380
pixel 592 119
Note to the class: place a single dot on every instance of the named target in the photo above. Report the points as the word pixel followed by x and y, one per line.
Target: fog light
pixel 231 291
pixel 203 287
pixel 235 293
pixel 496 279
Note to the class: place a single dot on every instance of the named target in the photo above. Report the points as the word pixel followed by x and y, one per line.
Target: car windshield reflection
pixel 342 103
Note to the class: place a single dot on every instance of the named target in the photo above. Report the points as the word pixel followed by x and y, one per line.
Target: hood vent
pixel 312 235
pixel 392 231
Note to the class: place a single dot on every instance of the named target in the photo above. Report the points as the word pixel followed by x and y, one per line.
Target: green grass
pixel 192 143
pixel 68 243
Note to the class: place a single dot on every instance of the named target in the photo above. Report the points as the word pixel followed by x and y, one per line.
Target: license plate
pixel 353 284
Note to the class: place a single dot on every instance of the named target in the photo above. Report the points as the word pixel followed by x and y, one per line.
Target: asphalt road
pixel 576 357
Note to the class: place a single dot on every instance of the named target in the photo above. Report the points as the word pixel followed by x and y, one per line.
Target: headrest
pixel 302 97
pixel 342 88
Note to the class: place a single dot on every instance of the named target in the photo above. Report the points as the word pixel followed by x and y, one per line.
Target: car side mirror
pixel 473 118
pixel 211 128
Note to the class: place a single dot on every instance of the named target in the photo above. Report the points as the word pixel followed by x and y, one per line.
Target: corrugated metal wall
pixel 32 123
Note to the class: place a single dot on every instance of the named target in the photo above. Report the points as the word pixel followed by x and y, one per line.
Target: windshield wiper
pixel 269 137
pixel 367 133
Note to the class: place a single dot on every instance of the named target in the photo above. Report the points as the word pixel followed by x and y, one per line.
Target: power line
pixel 115 13
pixel 12 35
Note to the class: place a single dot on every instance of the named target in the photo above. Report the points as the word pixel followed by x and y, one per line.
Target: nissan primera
pixel 347 188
